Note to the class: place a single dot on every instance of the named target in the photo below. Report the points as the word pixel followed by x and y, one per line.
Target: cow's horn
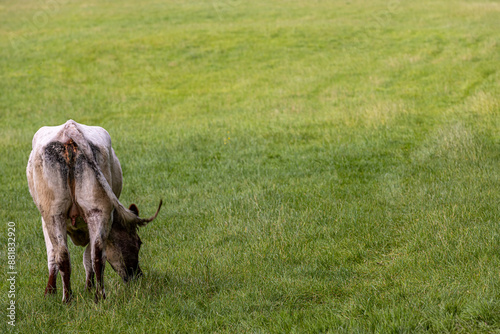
pixel 145 221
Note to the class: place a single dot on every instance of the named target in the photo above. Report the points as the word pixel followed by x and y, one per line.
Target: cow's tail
pixel 128 217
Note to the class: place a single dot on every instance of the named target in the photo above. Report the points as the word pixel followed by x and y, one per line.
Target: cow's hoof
pixel 98 296
pixel 67 298
pixel 89 286
pixel 50 290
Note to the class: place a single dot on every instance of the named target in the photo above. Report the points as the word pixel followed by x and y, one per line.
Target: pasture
pixel 325 166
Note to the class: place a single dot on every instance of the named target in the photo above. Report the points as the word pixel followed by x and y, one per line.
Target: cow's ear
pixel 134 209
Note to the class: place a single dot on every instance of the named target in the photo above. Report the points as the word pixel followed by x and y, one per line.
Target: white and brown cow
pixel 75 180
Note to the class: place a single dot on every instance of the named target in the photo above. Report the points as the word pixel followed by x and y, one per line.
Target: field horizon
pixel 325 166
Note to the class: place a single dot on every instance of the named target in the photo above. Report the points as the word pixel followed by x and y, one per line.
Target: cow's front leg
pixel 98 226
pixel 89 268
pixel 55 229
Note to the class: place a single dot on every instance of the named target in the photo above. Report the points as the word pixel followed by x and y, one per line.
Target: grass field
pixel 325 166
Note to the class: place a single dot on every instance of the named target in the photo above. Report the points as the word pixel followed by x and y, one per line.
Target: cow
pixel 75 180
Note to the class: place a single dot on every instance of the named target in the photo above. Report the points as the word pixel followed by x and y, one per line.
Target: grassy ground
pixel 326 166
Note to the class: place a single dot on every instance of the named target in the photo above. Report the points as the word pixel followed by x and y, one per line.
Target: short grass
pixel 326 166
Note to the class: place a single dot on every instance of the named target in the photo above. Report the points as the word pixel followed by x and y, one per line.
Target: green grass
pixel 326 166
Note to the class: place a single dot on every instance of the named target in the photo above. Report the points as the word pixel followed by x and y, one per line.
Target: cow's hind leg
pixel 89 269
pixel 55 229
pixel 53 270
pixel 99 260
pixel 97 223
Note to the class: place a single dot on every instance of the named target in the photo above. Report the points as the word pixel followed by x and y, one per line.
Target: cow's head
pixel 123 245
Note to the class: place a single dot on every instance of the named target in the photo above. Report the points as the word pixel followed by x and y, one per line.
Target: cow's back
pixel 58 173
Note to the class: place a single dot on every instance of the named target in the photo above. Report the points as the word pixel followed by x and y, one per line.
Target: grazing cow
pixel 75 180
